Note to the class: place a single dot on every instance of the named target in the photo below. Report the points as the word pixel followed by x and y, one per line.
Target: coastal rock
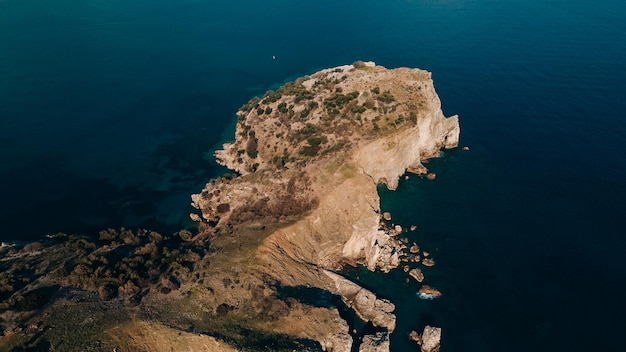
pixel 386 159
pixel 431 339
pixel 427 292
pixel 375 343
pixel 417 274
pixel 428 262
pixel 364 302
pixel 195 217
pixel 317 323
pixel 387 216
pixel 337 343
pixel 415 336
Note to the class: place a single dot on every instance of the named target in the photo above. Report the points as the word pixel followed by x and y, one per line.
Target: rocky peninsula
pixel 263 269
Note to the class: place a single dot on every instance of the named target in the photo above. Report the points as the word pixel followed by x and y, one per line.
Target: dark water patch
pixel 255 340
pixel 411 312
pixel 86 207
pixel 312 296
pixel 317 297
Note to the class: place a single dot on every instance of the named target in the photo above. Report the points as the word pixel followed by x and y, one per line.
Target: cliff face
pixel 310 155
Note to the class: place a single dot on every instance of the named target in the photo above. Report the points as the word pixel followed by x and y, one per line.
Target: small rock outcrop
pixel 417 274
pixel 427 292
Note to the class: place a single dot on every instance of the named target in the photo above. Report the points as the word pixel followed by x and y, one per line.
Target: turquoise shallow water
pixel 110 111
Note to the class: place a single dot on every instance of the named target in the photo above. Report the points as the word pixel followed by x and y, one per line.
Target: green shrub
pixel 251 148
pixel 252 104
pixel 271 97
pixel 386 97
pixel 339 100
pixel 358 109
pixel 309 150
pixel 308 130
pixel 316 141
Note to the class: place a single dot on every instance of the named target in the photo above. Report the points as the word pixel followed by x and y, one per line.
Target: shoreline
pixel 302 204
pixel 354 236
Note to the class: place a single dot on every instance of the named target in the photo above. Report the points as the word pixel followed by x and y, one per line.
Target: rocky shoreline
pixel 262 271
pixel 387 123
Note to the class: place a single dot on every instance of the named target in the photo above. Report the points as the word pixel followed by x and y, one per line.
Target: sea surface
pixel 110 112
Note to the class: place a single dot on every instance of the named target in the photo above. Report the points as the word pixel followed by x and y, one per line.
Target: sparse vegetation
pixel 386 97
pixel 339 100
pixel 297 90
pixel 271 97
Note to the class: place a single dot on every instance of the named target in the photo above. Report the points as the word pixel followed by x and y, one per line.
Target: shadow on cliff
pixel 318 297
pixel 254 340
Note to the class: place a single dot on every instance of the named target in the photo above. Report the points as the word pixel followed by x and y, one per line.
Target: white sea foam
pixel 426 296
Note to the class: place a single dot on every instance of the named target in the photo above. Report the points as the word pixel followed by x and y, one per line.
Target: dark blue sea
pixel 110 111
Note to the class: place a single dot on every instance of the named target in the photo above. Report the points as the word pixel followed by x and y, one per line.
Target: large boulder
pixel 431 339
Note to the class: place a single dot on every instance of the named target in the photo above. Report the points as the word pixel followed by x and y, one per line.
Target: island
pixel 263 269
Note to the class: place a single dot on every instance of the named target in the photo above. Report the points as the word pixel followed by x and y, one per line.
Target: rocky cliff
pixel 262 271
pixel 309 157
